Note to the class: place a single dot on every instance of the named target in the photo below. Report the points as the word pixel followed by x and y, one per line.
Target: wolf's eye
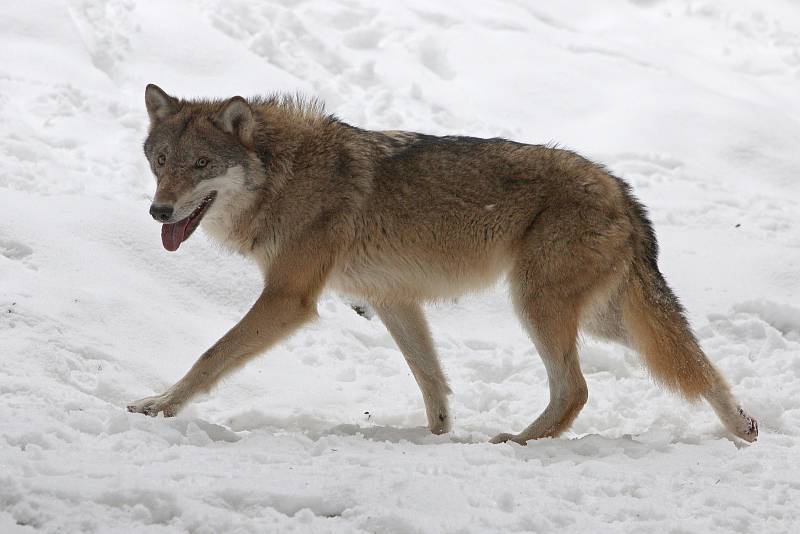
pixel 200 163
pixel 162 159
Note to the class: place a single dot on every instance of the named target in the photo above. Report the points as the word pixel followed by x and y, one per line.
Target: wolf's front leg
pixel 275 315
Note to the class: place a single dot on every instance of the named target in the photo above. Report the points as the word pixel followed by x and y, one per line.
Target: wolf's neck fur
pixel 251 195
pixel 285 123
pixel 233 208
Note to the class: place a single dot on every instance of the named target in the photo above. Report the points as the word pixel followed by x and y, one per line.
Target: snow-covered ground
pixel 697 104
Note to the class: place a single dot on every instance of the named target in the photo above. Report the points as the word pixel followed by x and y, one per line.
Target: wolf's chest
pixel 236 235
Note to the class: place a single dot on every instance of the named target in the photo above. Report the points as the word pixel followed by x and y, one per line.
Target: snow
pixel 693 102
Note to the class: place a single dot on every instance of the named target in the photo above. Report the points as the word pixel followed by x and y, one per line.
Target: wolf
pixel 396 219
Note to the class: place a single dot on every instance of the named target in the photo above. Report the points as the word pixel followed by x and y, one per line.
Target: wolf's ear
pixel 159 104
pixel 236 117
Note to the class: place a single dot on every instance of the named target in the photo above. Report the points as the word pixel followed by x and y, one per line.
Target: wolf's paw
pixel 440 425
pixel 505 436
pixel 153 405
pixel 438 413
pixel 746 428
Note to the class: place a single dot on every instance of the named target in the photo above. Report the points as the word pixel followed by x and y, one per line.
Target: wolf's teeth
pixel 199 209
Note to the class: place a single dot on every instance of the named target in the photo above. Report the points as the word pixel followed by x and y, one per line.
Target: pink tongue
pixel 172 235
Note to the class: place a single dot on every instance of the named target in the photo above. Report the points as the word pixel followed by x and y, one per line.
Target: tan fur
pixel 398 218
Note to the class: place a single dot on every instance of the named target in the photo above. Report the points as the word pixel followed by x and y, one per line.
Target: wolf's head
pixel 198 151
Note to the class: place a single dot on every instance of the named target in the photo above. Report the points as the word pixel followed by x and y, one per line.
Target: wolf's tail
pixel 655 326
pixel 658 330
pixel 654 320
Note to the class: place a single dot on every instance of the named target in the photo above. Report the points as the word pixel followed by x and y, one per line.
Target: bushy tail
pixel 653 317
pixel 655 326
pixel 658 330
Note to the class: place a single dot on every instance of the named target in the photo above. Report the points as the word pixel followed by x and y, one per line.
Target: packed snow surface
pixel 696 103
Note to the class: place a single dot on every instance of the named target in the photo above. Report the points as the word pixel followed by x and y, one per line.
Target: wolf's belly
pixel 417 275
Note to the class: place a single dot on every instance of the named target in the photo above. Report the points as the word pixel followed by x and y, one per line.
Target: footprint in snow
pixel 434 58
pixel 14 250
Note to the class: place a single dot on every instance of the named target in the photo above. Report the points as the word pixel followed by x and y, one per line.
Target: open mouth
pixel 173 234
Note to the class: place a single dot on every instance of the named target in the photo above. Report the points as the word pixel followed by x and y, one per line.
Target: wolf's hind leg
pixel 553 327
pixel 407 326
pixel 569 258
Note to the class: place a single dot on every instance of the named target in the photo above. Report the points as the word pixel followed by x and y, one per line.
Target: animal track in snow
pixel 104 27
pixel 363 38
pixel 434 57
pixel 611 54
pixel 439 19
pixel 14 250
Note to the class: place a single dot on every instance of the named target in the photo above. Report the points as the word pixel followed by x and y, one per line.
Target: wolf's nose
pixel 161 212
